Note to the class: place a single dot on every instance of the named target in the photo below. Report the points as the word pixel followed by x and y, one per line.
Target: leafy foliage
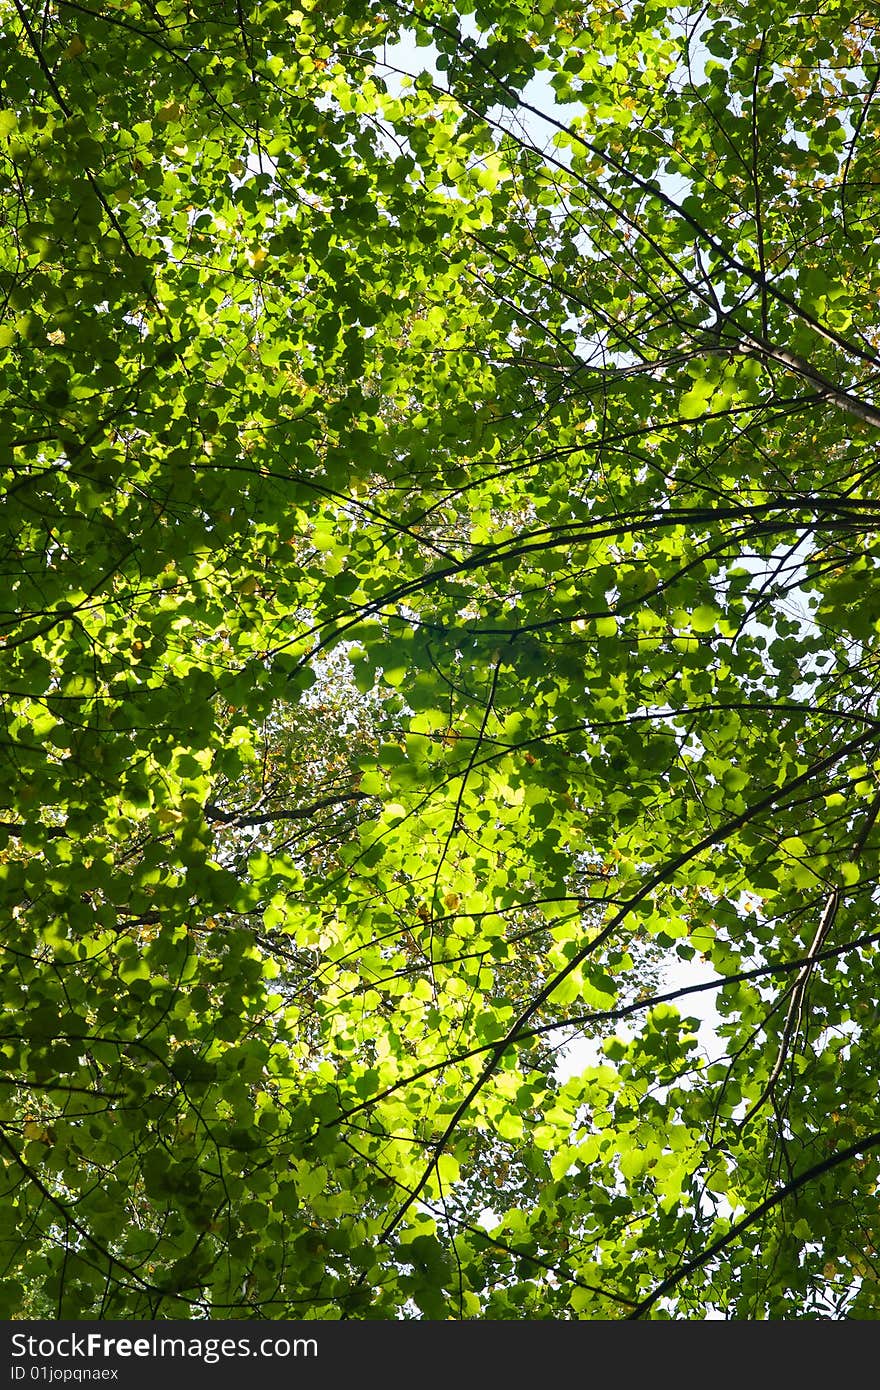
pixel 440 513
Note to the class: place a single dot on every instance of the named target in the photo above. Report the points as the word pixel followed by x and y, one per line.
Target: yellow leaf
pixel 171 111
pixel 73 49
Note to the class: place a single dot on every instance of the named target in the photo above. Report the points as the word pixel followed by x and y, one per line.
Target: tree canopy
pixel 440 515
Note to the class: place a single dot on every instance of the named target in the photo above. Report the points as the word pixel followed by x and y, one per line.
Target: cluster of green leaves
pixel 439 512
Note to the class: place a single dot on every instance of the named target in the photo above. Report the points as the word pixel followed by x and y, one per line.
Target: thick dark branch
pixel 52 832
pixel 838 395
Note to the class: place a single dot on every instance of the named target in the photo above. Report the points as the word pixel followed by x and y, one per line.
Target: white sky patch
pixel 584 1052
